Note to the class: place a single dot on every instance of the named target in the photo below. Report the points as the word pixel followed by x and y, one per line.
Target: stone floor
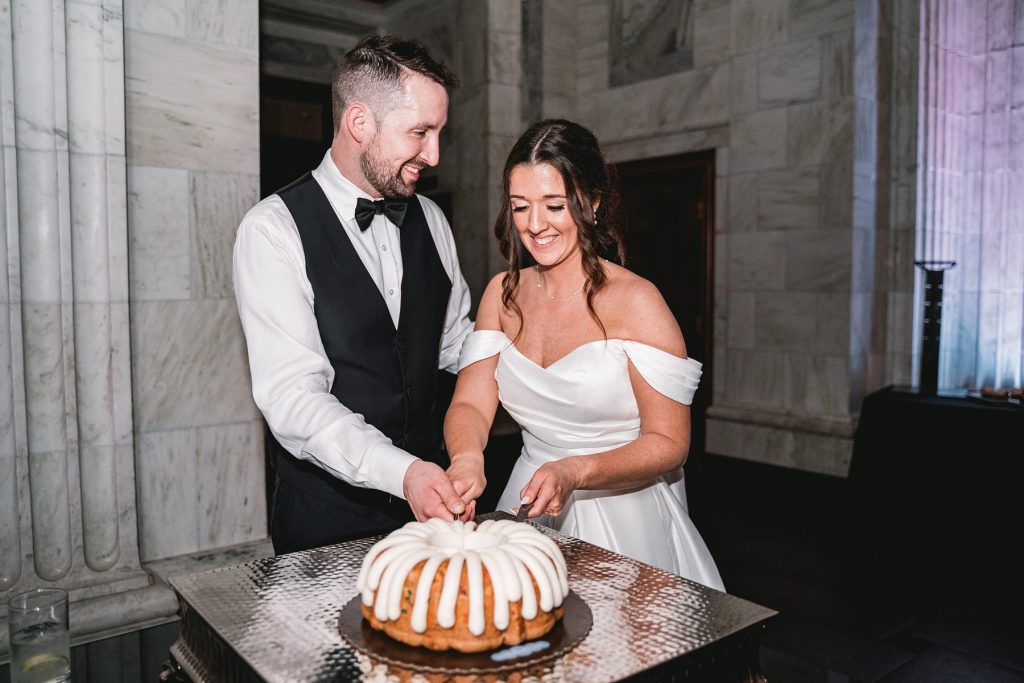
pixel 786 540
pixel 789 541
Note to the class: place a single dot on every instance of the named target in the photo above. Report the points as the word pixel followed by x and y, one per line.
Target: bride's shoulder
pixel 637 311
pixel 625 286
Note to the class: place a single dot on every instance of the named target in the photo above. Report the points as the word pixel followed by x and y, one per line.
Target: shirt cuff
pixel 385 468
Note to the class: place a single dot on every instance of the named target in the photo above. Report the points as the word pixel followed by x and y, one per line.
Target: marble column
pixel 67 506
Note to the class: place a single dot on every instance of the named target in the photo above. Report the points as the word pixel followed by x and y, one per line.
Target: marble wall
pixel 770 88
pixel 192 113
pixel 68 514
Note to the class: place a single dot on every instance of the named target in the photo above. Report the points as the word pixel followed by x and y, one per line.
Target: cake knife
pixel 524 510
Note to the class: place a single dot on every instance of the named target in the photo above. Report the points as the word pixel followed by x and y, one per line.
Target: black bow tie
pixel 393 209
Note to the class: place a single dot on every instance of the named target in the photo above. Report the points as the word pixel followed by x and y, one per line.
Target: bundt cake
pixel 462 586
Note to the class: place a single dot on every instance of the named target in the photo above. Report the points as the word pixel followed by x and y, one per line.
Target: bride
pixel 587 358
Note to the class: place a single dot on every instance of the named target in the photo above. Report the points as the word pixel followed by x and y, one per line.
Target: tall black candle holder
pixel 935 272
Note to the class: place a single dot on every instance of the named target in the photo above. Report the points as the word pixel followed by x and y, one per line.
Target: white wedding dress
pixel 583 403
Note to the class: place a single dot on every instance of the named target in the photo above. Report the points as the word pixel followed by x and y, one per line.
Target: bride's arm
pixel 469 418
pixel 664 439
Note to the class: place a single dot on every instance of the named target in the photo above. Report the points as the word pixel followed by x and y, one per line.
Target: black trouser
pixel 300 521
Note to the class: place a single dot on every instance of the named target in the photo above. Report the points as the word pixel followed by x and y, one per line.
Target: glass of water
pixel 40 646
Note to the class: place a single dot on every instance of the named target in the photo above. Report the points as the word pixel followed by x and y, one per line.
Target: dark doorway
pixel 666 205
pixel 296 128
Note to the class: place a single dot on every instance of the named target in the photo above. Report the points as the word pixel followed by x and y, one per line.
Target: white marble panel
pixel 472 65
pixel 818 261
pixel 113 51
pixel 6 80
pixel 758 377
pixel 503 112
pixel 39 216
pixel 1000 23
pixel 593 42
pixel 693 99
pixel 38 65
pixel 743 80
pixel 10 519
pixel 86 90
pixel 835 192
pixel 51 514
pixel 216 127
pixel 807 18
pixel 825 389
pixel 758 141
pixel 160 226
pixel 790 74
pixel 127 510
pixel 89 227
pixel 818 130
pixel 785 448
pixel 230 22
pixel 117 228
pixel 100 507
pixel 230 495
pixel 832 323
pixel 44 376
pixel 757 24
pixel 742 319
pixel 1017 71
pixel 163 17
pixel 561 46
pixel 504 57
pixel 503 15
pixel 189 365
pixel 93 372
pixel 785 320
pixel 837 66
pixel 899 322
pixel 221 199
pixel 712 40
pixel 167 477
pixel 997 80
pixel 757 261
pixel 121 374
pixel 667 144
pixel 742 215
pixel 787 199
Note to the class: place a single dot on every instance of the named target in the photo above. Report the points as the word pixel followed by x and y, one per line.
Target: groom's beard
pixel 385 180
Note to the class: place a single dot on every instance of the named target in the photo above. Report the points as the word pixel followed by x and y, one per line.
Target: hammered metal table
pixel 276 619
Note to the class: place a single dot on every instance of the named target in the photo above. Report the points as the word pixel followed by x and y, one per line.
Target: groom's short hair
pixel 375 70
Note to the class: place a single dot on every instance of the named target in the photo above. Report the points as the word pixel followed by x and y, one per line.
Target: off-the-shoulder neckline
pixel 576 349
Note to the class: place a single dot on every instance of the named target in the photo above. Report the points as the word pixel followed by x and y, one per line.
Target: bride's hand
pixel 467 474
pixel 551 486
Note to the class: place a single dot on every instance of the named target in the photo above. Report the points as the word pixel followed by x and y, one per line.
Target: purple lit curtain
pixel 971 184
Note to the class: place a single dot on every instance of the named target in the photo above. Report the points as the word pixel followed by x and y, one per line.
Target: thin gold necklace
pixel 536 271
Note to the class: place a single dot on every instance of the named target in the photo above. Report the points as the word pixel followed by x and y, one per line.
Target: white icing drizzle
pixel 513 553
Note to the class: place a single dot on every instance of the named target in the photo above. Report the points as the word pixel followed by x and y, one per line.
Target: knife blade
pixel 523 511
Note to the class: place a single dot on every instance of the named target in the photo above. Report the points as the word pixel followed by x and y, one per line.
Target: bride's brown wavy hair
pixel 573 151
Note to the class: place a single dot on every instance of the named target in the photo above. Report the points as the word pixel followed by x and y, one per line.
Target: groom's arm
pixel 291 375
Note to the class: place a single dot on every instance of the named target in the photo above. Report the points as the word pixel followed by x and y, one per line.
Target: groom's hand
pixel 467 476
pixel 430 493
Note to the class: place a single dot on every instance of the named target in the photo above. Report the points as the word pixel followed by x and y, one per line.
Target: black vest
pixel 389 376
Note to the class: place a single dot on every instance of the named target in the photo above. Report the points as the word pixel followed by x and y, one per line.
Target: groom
pixel 351 298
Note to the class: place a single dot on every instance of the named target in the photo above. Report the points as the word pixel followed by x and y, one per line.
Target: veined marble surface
pixel 68 509
pixel 167 128
pixel 190 365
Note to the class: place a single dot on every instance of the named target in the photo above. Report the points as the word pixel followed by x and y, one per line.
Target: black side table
pixel 937 484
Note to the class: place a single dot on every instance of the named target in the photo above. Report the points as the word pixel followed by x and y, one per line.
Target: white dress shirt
pixel 291 375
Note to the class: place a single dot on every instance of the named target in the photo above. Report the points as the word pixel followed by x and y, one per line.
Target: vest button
pixel 409 391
